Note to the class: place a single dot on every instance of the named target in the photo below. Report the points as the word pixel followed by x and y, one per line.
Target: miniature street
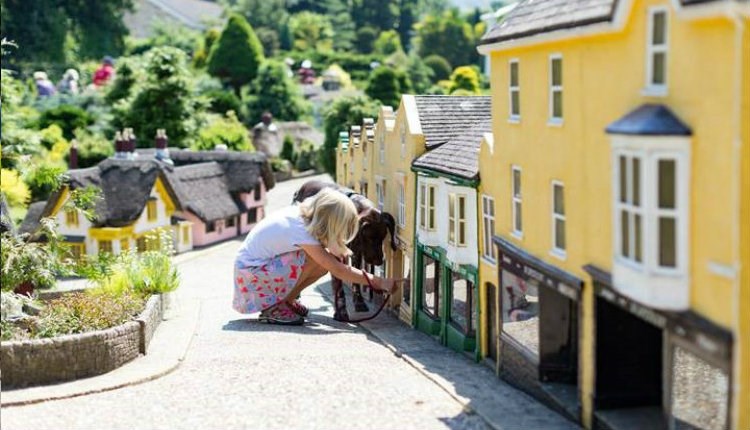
pixel 238 373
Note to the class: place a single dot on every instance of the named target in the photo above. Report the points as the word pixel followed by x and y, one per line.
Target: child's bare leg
pixel 311 272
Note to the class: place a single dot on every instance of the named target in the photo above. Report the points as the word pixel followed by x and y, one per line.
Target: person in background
pixel 44 87
pixel 105 73
pixel 69 82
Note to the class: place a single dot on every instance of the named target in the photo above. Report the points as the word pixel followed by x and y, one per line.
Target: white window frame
pixel 555 120
pixel 648 282
pixel 514 89
pixel 381 148
pixel 423 206
pixel 557 251
pixel 489 252
pixel 430 220
pixel 455 202
pixel 631 209
pixel 401 205
pixel 516 200
pixel 652 89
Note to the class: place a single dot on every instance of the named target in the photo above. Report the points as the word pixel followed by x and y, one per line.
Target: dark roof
pixel 202 189
pixel 460 155
pixel 444 117
pixel 31 221
pixel 541 16
pixel 650 120
pixel 242 169
pixel 6 222
pixel 532 17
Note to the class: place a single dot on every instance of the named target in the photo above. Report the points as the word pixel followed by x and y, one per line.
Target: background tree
pixel 164 101
pixel 441 68
pixel 98 26
pixel 449 36
pixel 39 26
pixel 382 15
pixel 200 58
pixel 270 14
pixel 311 31
pixel 236 56
pixel 275 92
pixel 337 115
pixel 384 86
pixel 365 41
pixel 388 43
pixel 407 17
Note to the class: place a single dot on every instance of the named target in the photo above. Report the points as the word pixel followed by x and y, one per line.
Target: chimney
pixel 73 156
pixel 130 149
pixel 162 152
pixel 119 146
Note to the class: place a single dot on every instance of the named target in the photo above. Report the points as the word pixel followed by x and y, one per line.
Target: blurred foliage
pixel 236 56
pixel 14 188
pixel 225 130
pixel 200 58
pixel 339 113
pixel 275 92
pixel 365 39
pixel 386 85
pixel 388 43
pixel 311 31
pixel 465 78
pixel 69 118
pixel 450 36
pixel 222 101
pixel 441 68
pixel 92 148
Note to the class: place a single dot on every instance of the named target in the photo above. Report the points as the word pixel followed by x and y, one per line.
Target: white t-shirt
pixel 280 232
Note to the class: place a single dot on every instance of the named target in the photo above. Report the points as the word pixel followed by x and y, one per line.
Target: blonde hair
pixel 332 219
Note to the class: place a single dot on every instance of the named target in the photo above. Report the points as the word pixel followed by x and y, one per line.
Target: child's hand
pixel 390 285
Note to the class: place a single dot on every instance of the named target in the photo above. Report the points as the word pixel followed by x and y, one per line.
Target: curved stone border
pixel 63 358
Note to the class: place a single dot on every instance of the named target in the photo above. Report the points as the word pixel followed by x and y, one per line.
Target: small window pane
pixel 462 207
pixel 667 242
pixel 636 181
pixel 625 234
pixel 451 205
pixel 519 224
pixel 637 233
pixel 462 232
pixel 667 184
pixel 557 106
pixel 514 74
pixel 558 197
pixel 461 302
pixel 557 71
pixel 658 72
pixel 659 35
pixel 491 204
pixel 623 179
pixel 515 106
pixel 517 183
pixel 559 234
pixel 431 287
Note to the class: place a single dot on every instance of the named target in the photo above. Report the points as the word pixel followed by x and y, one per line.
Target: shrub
pixel 365 39
pixel 125 80
pixel 275 92
pixel 226 130
pixel 441 68
pixel 307 157
pixel 24 260
pixel 68 118
pixel 14 188
pixel 287 150
pixel 465 78
pixel 222 101
pixel 388 42
pixel 236 56
pixel 384 86
pixel 311 31
pixel 200 58
pixel 342 111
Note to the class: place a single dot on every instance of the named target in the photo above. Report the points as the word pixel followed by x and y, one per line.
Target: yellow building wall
pixel 487 270
pixel 603 79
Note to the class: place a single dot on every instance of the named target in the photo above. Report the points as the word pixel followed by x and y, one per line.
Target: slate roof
pixel 533 17
pixel 202 189
pixel 242 169
pixel 445 117
pixel 31 221
pixel 460 155
pixel 650 120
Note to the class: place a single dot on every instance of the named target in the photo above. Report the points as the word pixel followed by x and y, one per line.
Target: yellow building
pixel 342 165
pixel 620 176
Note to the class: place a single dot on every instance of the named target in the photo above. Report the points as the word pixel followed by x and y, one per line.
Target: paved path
pixel 239 373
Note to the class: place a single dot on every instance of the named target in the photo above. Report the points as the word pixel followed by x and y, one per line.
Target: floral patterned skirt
pixel 257 288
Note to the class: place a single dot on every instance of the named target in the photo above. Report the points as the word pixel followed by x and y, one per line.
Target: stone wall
pixel 64 358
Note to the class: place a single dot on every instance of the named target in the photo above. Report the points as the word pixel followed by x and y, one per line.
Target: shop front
pixel 539 305
pixel 446 305
pixel 657 369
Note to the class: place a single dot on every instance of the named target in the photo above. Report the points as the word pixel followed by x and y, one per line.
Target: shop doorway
pixel 491 322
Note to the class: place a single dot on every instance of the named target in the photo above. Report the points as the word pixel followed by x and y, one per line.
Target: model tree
pixel 275 92
pixel 236 56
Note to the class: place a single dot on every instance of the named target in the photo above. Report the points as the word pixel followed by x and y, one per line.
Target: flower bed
pixel 63 358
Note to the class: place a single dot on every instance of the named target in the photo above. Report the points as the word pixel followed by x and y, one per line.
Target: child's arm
pixel 345 272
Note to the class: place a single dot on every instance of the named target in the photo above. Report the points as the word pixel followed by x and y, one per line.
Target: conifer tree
pixel 237 55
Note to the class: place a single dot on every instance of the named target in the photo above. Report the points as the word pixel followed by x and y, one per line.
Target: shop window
pixel 151 210
pixel 71 217
pixel 210 226
pixel 430 286
pixel 105 246
pixel 230 222
pixel 185 234
pixel 124 245
pixel 657 51
pixel 252 215
pixel 517 201
pixel 514 91
pixel 76 250
pixel 140 244
pixel 700 392
pixel 488 228
pixel 520 310
pixel 555 88
pixel 462 314
pixel 558 219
